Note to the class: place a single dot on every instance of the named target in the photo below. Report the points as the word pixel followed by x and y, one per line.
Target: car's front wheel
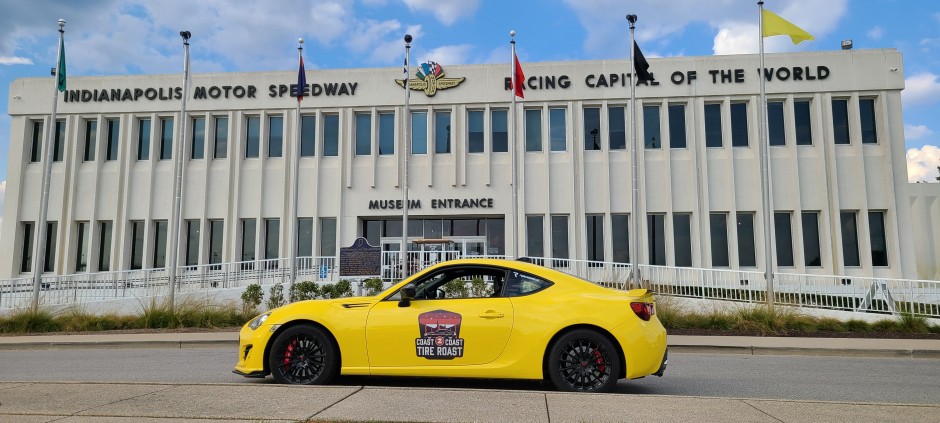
pixel 304 355
pixel 583 361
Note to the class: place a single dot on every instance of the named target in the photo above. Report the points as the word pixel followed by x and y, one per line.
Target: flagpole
pixel 765 168
pixel 40 257
pixel 513 147
pixel 178 188
pixel 635 231
pixel 406 151
pixel 296 176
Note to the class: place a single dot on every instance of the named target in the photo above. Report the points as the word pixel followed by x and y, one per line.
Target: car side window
pixel 461 282
pixel 520 284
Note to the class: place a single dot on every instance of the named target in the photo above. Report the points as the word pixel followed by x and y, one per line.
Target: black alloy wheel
pixel 583 361
pixel 304 355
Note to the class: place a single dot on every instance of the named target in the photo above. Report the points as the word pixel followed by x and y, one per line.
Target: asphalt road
pixel 881 380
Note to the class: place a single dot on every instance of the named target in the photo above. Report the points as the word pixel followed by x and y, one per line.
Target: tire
pixel 583 361
pixel 304 355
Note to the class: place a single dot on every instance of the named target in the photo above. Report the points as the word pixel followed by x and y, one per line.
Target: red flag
pixel 518 77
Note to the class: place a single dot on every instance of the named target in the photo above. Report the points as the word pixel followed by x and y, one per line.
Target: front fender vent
pixel 355 305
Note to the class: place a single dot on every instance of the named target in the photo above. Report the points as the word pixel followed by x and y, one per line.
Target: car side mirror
pixel 407 294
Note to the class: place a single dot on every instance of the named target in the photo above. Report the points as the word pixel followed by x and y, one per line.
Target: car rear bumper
pixel 662 367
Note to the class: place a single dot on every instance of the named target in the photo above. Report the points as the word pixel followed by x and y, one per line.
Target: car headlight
pixel 258 321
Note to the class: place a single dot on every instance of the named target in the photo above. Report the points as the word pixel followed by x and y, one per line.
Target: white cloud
pixel 13 60
pixel 446 55
pixel 875 33
pixel 913 132
pixel 923 88
pixel 446 11
pixel 922 164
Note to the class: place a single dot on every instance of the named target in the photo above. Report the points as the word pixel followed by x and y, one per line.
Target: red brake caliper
pixel 289 352
pixel 599 360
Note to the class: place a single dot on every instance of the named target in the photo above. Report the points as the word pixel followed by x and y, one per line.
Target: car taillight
pixel 643 310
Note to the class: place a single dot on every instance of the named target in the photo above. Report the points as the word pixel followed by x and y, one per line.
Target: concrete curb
pixel 116 344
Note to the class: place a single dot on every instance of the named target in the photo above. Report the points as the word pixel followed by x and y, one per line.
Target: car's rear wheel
pixel 583 361
pixel 304 355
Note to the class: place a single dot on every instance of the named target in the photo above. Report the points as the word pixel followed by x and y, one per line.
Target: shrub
pixel 913 324
pixel 479 289
pixel 157 315
pixel 855 325
pixel 28 321
pixel 373 286
pixel 251 298
pixel 306 290
pixel 275 296
pixel 341 289
pixel 885 325
pixel 456 288
pixel 829 324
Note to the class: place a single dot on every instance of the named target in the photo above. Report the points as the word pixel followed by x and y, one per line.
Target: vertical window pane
pixel 442 132
pixel 386 133
pixel 879 242
pixel 804 127
pixel 143 139
pixel 327 237
pixel 475 131
pixel 620 237
pixel 192 242
pixel 331 135
pixel 677 126
pixel 305 237
pixel 91 135
pixel 840 121
pixel 276 136
pixel 363 134
pixel 617 127
pixel 535 237
pixel 682 233
pixel 495 236
pixel 775 123
pixel 866 108
pixel 252 137
pixel 58 146
pixel 26 264
pixel 558 133
pixel 719 239
pixel 199 139
pixel 419 133
pixel 746 252
pixel 739 131
pixel 595 237
pixel 713 125
pixel 81 253
pixel 560 237
pixel 592 128
pixel 784 236
pixel 248 239
pixel 137 245
pixel 166 138
pixel 272 239
pixel 220 150
pixel 499 131
pixel 308 136
pixel 372 231
pixel 114 137
pixel 104 246
pixel 533 130
pixel 159 244
pixel 216 237
pixel 811 253
pixel 51 236
pixel 651 135
pixel 657 239
pixel 849 239
pixel 35 152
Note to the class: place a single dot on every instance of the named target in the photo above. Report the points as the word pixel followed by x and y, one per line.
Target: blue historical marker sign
pixel 360 259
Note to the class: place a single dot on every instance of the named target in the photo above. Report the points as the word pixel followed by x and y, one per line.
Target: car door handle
pixel 490 314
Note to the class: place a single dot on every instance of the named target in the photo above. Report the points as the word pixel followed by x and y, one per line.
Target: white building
pixel 841 199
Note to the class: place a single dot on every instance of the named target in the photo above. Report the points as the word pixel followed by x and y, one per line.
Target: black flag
pixel 641 65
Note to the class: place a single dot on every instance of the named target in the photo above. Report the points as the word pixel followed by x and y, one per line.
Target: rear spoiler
pixel 639 292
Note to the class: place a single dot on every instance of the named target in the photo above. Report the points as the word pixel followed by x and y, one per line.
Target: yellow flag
pixel 775 25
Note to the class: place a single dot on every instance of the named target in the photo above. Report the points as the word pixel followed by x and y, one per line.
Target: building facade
pixel 839 190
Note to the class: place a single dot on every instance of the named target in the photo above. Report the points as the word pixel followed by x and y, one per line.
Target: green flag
pixel 60 72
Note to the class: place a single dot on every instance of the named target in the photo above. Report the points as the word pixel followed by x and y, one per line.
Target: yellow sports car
pixel 474 318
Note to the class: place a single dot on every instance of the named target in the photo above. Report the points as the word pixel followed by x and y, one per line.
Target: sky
pixel 118 37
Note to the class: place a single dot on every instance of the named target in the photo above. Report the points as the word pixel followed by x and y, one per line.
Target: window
pixel 804 127
pixel 331 135
pixel 252 137
pixel 386 134
pixel 682 234
pixel 216 237
pixel 159 243
pixel 811 252
pixel 651 135
pixel 51 232
pixel 460 282
pixel 620 237
pixel 248 240
pixel 475 131
pixel 143 139
pixel 35 152
pixel 535 238
pixel 304 237
pixel 557 133
pixel 91 136
pixel 199 139
pixel 533 130
pixel 114 138
pixel 595 237
pixel 746 252
pixel 739 125
pixel 220 150
pixel 560 239
pixel 166 138
pixel 775 123
pixel 713 125
pixel 840 121
pixel 192 242
pixel 419 133
pixel 523 284
pixel 657 239
pixel 104 246
pixel 617 128
pixel 495 236
pixel 276 136
pixel 363 134
pixel 81 251
pixel 592 131
pixel 442 132
pixel 26 262
pixel 879 243
pixel 849 238
pixel 784 236
pixel 328 236
pixel 866 108
pixel 308 136
pixel 137 245
pixel 272 239
pixel 499 131
pixel 677 126
pixel 58 147
pixel 719 239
